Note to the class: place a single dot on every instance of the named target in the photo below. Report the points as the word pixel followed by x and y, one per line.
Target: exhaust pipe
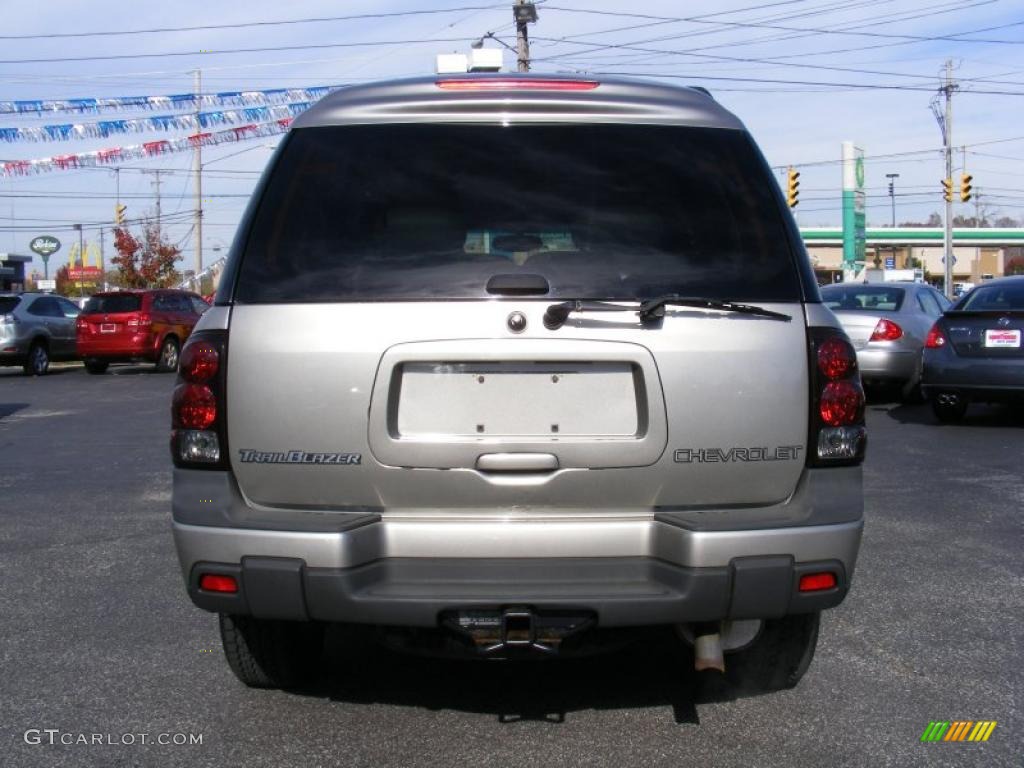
pixel 707 653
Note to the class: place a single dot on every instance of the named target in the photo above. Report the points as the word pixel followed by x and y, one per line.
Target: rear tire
pixel 949 413
pixel 96 366
pixel 38 361
pixel 779 657
pixel 168 360
pixel 264 653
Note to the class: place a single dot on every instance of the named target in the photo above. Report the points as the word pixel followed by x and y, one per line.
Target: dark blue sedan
pixel 974 351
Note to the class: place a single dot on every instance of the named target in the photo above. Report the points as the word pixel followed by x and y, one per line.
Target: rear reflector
pixel 515 84
pixel 216 582
pixel 886 330
pixel 817 582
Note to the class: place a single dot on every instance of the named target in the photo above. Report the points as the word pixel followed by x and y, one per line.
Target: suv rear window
pixel 119 302
pixel 8 303
pixel 862 297
pixel 391 212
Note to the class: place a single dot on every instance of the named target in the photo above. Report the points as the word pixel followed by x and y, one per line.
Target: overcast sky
pixel 804 75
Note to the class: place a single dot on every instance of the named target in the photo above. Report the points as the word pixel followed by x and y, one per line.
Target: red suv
pixel 130 326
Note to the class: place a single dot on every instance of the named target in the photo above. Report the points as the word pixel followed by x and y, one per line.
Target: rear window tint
pixel 392 212
pixel 994 298
pixel 8 303
pixel 867 298
pixel 117 302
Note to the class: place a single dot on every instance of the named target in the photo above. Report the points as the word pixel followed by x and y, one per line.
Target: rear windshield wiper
pixel 557 314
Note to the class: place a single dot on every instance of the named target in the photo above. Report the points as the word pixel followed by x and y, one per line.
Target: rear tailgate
pixel 448 410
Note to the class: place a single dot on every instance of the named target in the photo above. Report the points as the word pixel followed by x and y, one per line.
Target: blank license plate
pixel 1001 338
pixel 108 328
pixel 494 400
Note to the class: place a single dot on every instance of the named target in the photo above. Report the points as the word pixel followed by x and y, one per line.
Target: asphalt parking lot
pixel 100 638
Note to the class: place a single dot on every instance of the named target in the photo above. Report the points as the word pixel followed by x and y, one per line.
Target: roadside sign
pixel 46 285
pixel 44 245
pixel 85 273
pixel 890 262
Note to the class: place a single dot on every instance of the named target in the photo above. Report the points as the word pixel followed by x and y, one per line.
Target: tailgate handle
pixel 517 462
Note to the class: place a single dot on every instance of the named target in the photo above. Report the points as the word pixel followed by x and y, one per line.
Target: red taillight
pixel 836 358
pixel 81 324
pixel 194 406
pixel 816 582
pixel 841 403
pixel 139 320
pixel 198 407
pixel 217 582
pixel 199 362
pixel 515 84
pixel 936 338
pixel 886 330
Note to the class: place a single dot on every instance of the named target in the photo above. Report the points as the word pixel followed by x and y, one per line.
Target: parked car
pixel 137 326
pixel 887 323
pixel 36 328
pixel 506 362
pixel 974 351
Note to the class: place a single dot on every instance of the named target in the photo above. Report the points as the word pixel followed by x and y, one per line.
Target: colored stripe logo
pixel 958 730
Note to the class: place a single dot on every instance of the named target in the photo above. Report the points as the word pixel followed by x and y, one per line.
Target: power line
pixel 856 86
pixel 957 38
pixel 268 49
pixel 242 25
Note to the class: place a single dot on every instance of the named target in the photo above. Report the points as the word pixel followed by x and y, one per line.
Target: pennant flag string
pixel 178 101
pixel 104 128
pixel 146 150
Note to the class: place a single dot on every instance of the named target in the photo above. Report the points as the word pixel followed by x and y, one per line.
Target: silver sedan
pixel 887 323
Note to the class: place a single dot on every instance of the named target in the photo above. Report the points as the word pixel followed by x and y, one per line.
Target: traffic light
pixel 119 210
pixel 793 187
pixel 947 190
pixel 965 187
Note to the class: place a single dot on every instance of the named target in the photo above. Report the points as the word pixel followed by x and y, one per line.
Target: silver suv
pixel 501 363
pixel 36 328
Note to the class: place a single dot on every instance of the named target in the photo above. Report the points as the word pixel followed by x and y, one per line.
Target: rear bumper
pixel 634 591
pixel 662 566
pixel 887 363
pixel 140 346
pixel 945 371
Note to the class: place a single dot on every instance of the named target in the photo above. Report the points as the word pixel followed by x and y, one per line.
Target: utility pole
pixel 81 255
pixel 197 170
pixel 524 13
pixel 103 262
pixel 947 144
pixel 892 199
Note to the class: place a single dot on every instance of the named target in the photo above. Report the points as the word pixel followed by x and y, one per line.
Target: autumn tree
pixel 64 286
pixel 146 261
